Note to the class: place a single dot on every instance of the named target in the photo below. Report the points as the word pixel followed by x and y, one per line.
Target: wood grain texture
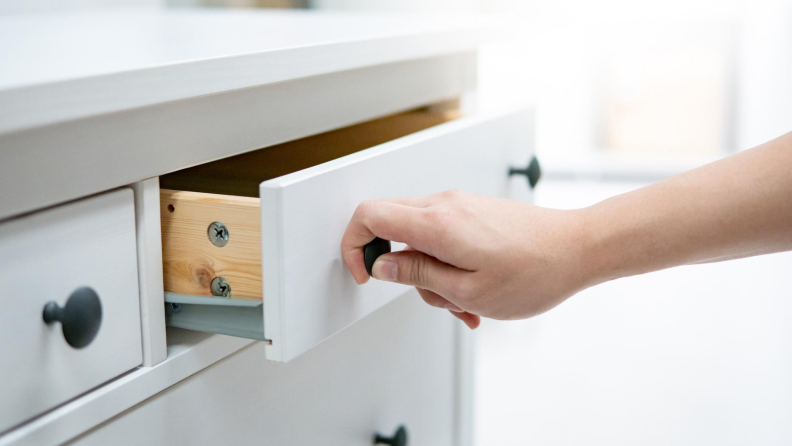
pixel 190 260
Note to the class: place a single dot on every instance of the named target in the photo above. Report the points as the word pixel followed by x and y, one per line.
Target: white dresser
pixel 195 170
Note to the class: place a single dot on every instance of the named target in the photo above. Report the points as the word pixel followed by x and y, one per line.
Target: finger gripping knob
pixel 80 318
pixel 533 172
pixel 398 439
pixel 374 249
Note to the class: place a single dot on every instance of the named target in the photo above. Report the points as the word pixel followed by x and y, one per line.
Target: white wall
pixel 765 76
pixel 46 6
pixel 444 6
pixel 696 355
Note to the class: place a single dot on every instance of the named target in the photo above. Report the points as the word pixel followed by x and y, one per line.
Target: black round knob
pixel 398 439
pixel 80 318
pixel 374 249
pixel 533 172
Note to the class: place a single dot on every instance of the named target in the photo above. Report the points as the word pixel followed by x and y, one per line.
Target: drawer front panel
pixel 308 294
pixel 396 367
pixel 46 257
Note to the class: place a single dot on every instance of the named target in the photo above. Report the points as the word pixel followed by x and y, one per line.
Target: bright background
pixel 627 93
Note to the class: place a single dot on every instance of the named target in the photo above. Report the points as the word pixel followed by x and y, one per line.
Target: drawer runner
pixel 242 318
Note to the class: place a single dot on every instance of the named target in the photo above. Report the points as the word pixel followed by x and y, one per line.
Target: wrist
pixel 600 253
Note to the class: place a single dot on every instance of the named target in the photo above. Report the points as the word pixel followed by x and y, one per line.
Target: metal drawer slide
pixel 243 318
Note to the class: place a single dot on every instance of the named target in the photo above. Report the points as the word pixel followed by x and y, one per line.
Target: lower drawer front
pixel 46 257
pixel 396 367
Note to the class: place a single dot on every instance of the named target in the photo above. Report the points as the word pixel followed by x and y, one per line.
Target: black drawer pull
pixel 532 172
pixel 374 249
pixel 80 318
pixel 398 439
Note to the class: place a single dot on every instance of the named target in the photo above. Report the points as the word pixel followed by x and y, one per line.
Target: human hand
pixel 471 254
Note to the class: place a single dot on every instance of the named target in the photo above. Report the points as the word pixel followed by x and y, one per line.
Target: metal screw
pixel 175 307
pixel 221 287
pixel 218 234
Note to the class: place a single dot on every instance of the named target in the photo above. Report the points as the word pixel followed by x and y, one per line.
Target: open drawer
pixel 251 244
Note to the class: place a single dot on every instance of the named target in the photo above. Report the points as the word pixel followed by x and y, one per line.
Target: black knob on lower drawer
pixel 374 249
pixel 80 318
pixel 398 439
pixel 532 172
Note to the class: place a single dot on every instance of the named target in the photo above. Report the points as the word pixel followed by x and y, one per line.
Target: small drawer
pixel 82 258
pixel 284 210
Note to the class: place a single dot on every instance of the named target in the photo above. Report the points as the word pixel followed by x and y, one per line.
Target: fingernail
pixel 384 270
pixel 451 307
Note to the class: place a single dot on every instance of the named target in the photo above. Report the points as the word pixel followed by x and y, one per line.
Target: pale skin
pixel 479 256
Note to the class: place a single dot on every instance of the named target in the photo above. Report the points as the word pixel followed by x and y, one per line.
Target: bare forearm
pixel 476 256
pixel 737 207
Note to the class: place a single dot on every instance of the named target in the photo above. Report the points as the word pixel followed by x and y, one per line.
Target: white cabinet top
pixel 70 66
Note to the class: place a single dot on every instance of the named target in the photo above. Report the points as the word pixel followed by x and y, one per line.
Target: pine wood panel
pixel 191 261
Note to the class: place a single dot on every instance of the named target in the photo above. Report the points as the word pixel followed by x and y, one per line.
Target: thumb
pixel 419 270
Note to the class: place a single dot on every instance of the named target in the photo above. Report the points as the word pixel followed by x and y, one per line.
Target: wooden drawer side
pixel 191 261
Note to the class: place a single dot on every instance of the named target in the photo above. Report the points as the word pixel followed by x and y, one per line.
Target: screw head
pixel 175 307
pixel 221 287
pixel 218 234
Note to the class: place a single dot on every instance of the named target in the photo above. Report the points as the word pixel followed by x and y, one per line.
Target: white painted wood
pixel 465 370
pixel 94 63
pixel 149 248
pixel 45 257
pixel 308 293
pixel 121 148
pixel 395 367
pixel 465 375
pixel 188 353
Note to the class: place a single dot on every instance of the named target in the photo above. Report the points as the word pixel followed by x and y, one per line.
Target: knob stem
pixel 399 438
pixel 532 171
pixel 52 312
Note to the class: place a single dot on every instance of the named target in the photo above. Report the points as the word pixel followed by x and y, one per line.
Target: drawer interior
pixel 241 175
pixel 226 191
